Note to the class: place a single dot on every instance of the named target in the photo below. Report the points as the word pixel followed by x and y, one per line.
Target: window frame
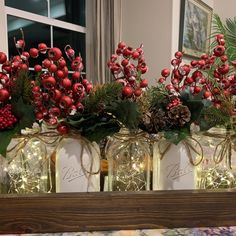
pixel 47 20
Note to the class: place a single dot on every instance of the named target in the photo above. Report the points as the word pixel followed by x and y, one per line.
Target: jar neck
pixel 125 133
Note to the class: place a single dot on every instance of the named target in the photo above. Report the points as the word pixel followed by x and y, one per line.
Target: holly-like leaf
pixel 175 136
pixel 194 103
pixel 94 127
pixel 5 139
pixel 126 112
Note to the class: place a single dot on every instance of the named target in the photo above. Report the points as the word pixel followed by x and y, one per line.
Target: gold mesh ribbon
pixel 190 148
pixel 224 148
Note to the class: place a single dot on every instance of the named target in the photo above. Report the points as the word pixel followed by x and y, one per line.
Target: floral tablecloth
pixel 220 231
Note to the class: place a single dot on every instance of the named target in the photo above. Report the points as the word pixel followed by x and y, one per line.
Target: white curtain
pixel 103 22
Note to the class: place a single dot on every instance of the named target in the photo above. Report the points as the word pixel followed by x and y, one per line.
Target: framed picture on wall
pixel 195 27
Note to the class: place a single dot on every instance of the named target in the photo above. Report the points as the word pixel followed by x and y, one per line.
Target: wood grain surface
pixel 77 212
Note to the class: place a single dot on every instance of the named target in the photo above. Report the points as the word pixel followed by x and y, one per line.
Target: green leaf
pixel 94 127
pixel 194 103
pixel 175 136
pixel 101 130
pixel 126 112
pixel 24 113
pixel 5 139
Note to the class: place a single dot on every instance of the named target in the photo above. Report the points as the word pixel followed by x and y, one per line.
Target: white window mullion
pixel 3 29
pixel 43 19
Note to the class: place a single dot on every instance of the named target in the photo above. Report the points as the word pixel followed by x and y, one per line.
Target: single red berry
pixel 49 82
pixel 65 102
pixel 66 83
pixel 125 62
pixel 135 55
pixel 4 95
pixel 34 52
pixel 46 63
pixel 54 54
pixel 52 68
pixel 121 45
pixel 175 62
pixel 162 80
pixel 61 63
pixel 224 69
pixel 76 75
pixel 37 68
pixel 79 106
pixel 197 89
pixel 39 115
pixel 127 91
pixel 60 74
pixel 165 72
pixel 224 58
pixel 127 52
pixel 20 43
pixel 144 83
pixel 178 55
pixel 23 67
pixel 207 94
pixel 189 80
pixel 89 87
pixel 3 57
pixel 137 92
pixel 54 111
pixel 70 52
pixel 42 47
pixel 62 128
pixel 219 51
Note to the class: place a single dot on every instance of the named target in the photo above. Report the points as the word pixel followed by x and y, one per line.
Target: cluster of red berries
pixel 7 119
pixel 57 95
pixel 5 80
pixel 210 75
pixel 126 72
pixel 57 92
pixel 174 101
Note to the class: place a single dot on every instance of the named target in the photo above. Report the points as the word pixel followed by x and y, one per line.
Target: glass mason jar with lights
pixel 29 167
pixel 129 161
pixel 3 175
pixel 218 168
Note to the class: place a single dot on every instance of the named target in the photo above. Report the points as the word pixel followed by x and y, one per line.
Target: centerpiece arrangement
pixel 52 120
pixel 198 97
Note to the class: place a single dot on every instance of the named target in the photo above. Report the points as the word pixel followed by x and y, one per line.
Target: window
pixel 54 22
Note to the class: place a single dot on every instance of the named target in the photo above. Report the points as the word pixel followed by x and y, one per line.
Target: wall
pixel 225 9
pixel 149 22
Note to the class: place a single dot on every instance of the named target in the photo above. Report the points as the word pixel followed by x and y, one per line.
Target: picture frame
pixel 195 27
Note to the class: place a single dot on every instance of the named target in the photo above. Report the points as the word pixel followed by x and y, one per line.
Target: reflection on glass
pixel 34 6
pixel 72 11
pixel 62 37
pixel 34 32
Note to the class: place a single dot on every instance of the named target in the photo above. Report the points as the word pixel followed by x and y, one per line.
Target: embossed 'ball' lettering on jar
pixel 175 166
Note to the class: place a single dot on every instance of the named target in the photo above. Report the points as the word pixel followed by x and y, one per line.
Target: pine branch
pixel 228 29
pixel 22 88
pixel 102 96
pixel 211 116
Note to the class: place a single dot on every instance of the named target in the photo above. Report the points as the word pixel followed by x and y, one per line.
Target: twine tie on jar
pixel 189 148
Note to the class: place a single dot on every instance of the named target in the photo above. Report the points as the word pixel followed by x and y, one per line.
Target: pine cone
pixel 159 120
pixel 147 122
pixel 179 115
